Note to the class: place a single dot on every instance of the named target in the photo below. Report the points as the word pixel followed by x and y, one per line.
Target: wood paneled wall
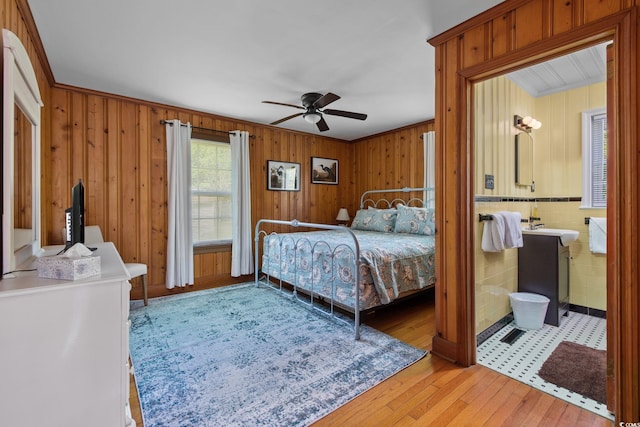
pixel 391 159
pixel 118 147
pixel 515 33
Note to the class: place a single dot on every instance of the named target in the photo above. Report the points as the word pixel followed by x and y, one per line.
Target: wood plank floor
pixel 439 393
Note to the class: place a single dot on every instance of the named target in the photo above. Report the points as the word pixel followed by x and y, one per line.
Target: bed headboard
pixel 419 197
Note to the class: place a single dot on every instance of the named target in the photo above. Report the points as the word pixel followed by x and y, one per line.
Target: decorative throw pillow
pixel 383 220
pixel 415 220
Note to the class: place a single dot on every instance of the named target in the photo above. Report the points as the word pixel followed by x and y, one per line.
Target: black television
pixel 75 216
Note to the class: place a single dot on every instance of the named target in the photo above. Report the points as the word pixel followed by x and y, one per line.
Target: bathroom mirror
pixel 20 156
pixel 524 160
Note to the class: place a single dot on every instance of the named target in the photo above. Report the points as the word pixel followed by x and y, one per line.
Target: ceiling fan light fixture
pixel 314 105
pixel 312 117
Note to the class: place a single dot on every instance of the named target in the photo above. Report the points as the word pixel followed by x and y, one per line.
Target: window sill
pixel 593 207
pixel 209 248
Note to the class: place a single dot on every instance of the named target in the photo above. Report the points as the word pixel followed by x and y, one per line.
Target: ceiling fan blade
pixel 282 103
pixel 348 114
pixel 287 118
pixel 322 125
pixel 325 100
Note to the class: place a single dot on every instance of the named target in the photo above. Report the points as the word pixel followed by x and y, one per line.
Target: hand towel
pixel 598 235
pixel 513 229
pixel 493 234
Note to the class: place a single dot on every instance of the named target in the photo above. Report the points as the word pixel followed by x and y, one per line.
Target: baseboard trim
pixel 487 333
pixel 444 348
pixel 602 314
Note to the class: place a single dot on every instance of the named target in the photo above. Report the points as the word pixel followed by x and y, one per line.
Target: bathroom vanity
pixel 543 268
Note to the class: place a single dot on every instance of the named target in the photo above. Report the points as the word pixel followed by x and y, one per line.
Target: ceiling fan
pixel 313 103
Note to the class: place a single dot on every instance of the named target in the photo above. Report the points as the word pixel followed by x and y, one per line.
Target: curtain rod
pixel 164 122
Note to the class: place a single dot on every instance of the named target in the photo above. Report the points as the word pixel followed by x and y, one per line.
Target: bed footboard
pixel 350 238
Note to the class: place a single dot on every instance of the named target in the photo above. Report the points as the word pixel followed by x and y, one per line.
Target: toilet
pixel 529 310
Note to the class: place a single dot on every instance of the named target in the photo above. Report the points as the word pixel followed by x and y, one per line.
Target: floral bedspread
pixel 323 262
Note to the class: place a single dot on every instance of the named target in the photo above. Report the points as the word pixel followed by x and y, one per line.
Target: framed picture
pixel 324 171
pixel 283 176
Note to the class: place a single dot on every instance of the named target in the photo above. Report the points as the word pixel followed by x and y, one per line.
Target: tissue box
pixel 61 267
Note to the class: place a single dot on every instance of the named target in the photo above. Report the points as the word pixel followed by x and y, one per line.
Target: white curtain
pixel 241 254
pixel 180 237
pixel 429 139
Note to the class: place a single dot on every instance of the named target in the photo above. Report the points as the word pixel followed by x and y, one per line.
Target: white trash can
pixel 529 310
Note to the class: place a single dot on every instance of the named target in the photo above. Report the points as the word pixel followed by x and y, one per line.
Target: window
pixel 211 192
pixel 594 159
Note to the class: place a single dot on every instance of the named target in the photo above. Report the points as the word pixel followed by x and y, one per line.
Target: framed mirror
pixel 524 160
pixel 20 157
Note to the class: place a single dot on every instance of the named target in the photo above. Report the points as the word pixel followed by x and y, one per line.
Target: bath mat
pixel 578 368
pixel 246 356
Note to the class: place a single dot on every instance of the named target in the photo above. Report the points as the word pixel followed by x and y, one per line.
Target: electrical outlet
pixel 488 182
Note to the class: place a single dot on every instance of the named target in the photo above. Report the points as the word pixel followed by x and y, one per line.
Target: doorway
pixel 468 54
pixel 557 93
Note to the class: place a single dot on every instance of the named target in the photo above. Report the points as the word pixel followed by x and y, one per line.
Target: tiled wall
pixel 587 272
pixel 496 272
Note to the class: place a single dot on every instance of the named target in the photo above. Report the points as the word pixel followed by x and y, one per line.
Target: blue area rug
pixel 242 355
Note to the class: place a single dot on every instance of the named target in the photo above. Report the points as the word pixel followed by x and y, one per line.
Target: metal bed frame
pixel 364 200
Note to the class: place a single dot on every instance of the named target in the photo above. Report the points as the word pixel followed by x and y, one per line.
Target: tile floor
pixel 522 359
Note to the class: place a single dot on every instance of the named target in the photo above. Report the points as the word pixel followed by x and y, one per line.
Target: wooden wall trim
pixel 476 21
pixel 547 49
pixel 623 214
pixel 443 348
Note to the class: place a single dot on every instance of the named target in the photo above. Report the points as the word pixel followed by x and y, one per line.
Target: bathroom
pixel 555 196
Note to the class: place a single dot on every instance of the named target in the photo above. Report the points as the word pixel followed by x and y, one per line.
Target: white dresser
pixel 64 348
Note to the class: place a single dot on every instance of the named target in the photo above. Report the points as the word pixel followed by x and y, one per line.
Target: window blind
pixel 599 160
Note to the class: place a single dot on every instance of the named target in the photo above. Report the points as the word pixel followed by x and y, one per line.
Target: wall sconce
pixel 343 216
pixel 526 124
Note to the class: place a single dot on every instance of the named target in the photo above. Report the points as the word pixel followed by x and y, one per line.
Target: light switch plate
pixel 488 182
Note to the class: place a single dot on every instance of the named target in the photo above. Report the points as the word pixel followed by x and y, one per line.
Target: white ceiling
pixel 226 57
pixel 581 68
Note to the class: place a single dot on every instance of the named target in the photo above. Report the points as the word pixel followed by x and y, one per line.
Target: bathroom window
pixel 594 158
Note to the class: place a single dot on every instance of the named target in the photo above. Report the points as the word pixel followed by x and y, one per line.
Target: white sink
pixel 566 236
